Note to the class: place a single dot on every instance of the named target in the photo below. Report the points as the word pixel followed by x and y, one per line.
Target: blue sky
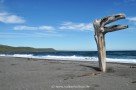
pixel 64 24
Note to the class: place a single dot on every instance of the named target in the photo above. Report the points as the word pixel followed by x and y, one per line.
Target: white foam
pixel 18 55
pixel 121 60
pixel 73 58
pixel 77 58
pixel 2 55
pixel 23 55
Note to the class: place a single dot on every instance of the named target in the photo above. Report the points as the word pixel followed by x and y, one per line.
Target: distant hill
pixel 10 49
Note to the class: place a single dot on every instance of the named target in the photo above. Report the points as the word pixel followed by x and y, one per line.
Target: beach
pixel 43 74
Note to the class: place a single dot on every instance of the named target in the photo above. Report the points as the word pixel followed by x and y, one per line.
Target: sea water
pixel 112 56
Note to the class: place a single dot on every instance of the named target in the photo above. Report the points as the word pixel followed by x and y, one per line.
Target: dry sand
pixel 34 74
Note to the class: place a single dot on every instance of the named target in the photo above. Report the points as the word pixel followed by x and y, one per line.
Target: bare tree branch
pixel 110 19
pixel 114 28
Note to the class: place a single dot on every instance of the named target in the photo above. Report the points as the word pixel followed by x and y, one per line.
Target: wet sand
pixel 36 74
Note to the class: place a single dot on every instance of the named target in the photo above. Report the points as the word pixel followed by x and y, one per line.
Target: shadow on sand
pixel 92 67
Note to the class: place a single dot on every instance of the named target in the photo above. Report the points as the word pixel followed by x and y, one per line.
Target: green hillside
pixel 10 49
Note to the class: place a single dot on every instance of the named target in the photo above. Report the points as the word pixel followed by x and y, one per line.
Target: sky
pixel 64 24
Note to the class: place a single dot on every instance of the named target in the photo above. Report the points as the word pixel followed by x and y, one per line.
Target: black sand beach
pixel 34 74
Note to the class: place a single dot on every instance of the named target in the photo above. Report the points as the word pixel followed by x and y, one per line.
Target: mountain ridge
pixel 12 49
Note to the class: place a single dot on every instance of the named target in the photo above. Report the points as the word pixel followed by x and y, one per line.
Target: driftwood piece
pixel 100 30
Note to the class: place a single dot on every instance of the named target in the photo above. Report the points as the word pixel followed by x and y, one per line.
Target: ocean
pixel 112 56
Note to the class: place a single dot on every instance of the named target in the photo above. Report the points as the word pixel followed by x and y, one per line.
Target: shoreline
pixel 125 63
pixel 41 74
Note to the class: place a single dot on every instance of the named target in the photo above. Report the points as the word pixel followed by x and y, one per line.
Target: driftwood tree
pixel 100 30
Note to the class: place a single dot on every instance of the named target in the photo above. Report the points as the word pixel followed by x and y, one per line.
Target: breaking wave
pixel 73 58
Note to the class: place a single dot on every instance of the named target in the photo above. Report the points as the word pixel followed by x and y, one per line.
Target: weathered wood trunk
pixel 100 31
pixel 101 52
pixel 100 41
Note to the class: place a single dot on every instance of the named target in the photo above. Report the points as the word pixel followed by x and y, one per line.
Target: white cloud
pixel 47 28
pixel 29 35
pixel 132 19
pixel 25 28
pixel 76 26
pixel 64 26
pixel 9 18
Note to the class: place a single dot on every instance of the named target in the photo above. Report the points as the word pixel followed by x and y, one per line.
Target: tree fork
pixel 100 30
